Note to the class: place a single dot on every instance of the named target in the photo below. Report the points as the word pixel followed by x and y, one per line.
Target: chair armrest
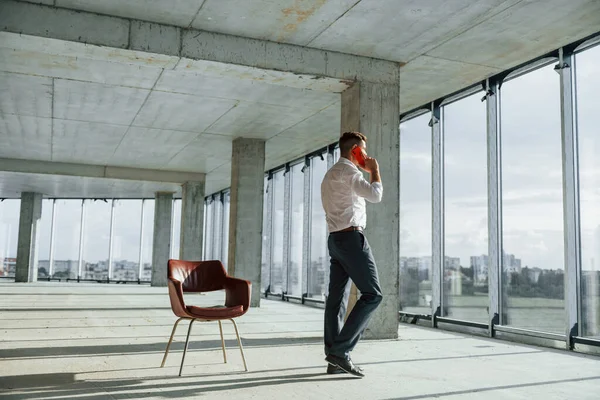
pixel 237 292
pixel 176 298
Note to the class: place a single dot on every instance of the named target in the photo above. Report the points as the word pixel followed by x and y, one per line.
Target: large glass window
pixel 10 209
pixel 295 278
pixel 126 239
pixel 209 229
pixel 67 230
pixel 532 211
pixel 318 273
pixel 588 87
pixel 465 202
pixel 96 238
pixel 147 239
pixel 277 267
pixel 45 229
pixel 176 229
pixel 415 215
pixel 265 270
pixel 217 211
pixel 225 240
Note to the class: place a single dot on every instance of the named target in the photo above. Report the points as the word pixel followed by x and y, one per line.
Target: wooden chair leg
pixel 187 340
pixel 223 342
pixel 240 344
pixel 170 341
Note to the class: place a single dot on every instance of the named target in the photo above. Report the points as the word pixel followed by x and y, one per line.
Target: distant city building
pixel 511 263
pixel 480 266
pixel 123 270
pixel 422 265
pixel 452 263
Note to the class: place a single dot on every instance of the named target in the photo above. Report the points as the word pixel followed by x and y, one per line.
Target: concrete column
pixel 161 245
pixel 246 210
pixel 192 219
pixel 373 109
pixel 27 250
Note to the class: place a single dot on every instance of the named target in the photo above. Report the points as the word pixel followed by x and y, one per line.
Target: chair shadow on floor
pixel 65 386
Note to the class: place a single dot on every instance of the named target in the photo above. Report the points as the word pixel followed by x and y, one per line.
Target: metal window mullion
pixel 272 228
pixel 210 227
pixel 172 226
pixel 207 234
pixel 570 199
pixel 287 216
pixel 141 254
pixel 216 243
pixel 52 230
pixel 225 224
pixel 172 248
pixel 306 228
pixel 111 239
pixel 204 229
pixel 81 239
pixel 219 247
pixel 494 207
pixel 437 214
pixel 219 244
pixel 269 244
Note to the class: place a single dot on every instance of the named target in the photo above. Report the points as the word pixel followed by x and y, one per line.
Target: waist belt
pixel 350 229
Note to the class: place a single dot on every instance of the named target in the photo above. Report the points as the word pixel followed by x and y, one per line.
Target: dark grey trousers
pixel 351 258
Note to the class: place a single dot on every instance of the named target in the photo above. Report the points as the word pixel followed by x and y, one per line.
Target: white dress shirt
pixel 343 194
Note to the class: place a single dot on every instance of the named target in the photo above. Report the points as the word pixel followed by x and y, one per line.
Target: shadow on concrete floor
pixel 492 388
pixel 53 385
pixel 129 388
pixel 157 347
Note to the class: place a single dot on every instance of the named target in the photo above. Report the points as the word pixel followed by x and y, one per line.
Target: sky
pixel 531 171
pixel 531 182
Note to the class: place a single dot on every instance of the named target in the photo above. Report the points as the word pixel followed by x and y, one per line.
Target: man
pixel 343 193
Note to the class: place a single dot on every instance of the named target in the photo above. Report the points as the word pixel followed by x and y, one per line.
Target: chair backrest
pixel 197 276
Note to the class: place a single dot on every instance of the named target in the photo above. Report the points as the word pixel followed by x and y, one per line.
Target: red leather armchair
pixel 205 276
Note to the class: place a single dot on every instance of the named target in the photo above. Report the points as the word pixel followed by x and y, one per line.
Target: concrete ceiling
pixel 72 103
pixel 68 102
pixel 13 183
pixel 446 45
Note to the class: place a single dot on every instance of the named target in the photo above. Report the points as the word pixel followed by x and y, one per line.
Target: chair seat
pixel 216 312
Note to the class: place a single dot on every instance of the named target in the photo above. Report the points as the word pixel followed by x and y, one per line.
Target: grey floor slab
pixel 80 341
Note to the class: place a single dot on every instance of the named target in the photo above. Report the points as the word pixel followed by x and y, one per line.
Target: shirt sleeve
pixel 372 192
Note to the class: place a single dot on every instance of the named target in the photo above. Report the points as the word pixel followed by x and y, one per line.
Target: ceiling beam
pixel 98 171
pixel 131 34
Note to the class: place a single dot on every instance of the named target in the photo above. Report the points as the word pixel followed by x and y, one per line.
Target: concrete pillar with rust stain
pixel 373 109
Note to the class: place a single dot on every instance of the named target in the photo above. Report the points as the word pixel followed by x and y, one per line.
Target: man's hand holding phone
pixel 370 165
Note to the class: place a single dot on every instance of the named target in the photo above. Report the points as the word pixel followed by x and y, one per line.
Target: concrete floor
pixel 79 341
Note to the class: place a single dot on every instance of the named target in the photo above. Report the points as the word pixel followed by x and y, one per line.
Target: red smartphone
pixel 360 155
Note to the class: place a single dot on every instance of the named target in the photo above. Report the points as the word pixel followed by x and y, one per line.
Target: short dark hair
pixel 349 139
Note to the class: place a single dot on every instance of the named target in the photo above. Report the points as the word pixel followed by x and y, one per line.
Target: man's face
pixel 363 146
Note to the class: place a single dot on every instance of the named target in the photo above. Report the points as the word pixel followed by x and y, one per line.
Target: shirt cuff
pixel 377 185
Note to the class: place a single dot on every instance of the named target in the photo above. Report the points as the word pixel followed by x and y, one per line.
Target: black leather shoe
pixel 344 364
pixel 333 370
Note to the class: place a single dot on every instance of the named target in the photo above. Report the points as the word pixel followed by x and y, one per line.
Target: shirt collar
pixel 344 160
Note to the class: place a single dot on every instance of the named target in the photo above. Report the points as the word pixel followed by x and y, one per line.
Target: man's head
pixel 348 141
